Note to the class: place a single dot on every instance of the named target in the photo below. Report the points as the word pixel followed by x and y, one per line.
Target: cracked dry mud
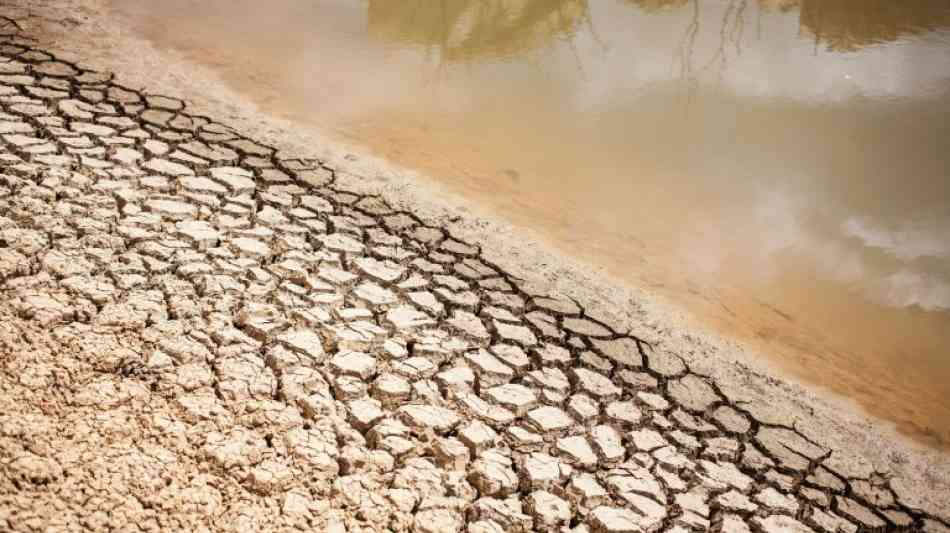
pixel 198 334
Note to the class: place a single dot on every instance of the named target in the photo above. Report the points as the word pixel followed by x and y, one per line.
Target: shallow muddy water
pixel 779 168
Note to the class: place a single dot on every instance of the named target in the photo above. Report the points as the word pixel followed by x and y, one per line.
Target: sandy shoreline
pixel 861 447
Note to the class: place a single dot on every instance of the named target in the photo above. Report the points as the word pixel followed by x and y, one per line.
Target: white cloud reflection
pixel 907 242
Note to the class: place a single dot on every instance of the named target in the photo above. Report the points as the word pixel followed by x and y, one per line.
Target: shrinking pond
pixel 780 168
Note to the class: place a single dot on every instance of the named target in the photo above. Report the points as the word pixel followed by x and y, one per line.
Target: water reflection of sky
pixel 738 96
pixel 812 49
pixel 771 56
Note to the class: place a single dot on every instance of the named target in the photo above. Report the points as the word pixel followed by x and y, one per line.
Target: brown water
pixel 780 168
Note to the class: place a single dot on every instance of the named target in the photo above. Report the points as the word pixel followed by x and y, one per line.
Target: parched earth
pixel 199 334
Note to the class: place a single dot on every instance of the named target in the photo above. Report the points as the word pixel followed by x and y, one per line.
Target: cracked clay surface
pixel 199 335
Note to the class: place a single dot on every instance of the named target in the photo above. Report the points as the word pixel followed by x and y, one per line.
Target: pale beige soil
pixel 200 333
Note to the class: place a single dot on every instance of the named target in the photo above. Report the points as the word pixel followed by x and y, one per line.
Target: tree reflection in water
pixel 477 29
pixel 849 25
pixel 471 30
pixel 838 25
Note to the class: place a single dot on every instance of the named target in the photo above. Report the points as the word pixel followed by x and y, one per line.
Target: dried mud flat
pixel 199 333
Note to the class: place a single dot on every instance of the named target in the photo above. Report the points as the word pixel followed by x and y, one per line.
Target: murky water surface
pixel 780 168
